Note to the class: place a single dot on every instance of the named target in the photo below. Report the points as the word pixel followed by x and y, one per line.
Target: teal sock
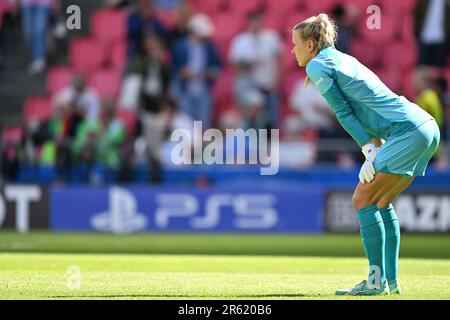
pixel 373 239
pixel 392 246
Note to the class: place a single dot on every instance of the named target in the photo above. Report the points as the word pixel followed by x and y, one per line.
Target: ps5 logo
pixel 122 216
pixel 251 211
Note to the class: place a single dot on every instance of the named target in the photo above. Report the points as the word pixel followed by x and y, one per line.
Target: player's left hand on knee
pixel 367 172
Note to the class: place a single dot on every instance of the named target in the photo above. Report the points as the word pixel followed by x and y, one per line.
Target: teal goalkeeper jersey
pixel 363 104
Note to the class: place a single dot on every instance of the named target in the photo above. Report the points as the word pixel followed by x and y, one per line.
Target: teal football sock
pixel 373 239
pixel 392 246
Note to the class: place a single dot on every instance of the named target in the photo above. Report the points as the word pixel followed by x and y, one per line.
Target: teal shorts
pixel 409 154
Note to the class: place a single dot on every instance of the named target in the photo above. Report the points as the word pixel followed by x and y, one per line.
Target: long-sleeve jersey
pixel 363 104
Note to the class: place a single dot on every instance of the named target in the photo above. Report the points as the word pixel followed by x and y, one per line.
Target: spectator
pixel 253 111
pixel 196 65
pixel 151 65
pixel 294 150
pixel 345 19
pixel 112 137
pixel 428 98
pixel 140 21
pixel 153 70
pixel 180 30
pixel 83 100
pixel 35 20
pixel 432 30
pixel 312 108
pixel 176 120
pixel 256 54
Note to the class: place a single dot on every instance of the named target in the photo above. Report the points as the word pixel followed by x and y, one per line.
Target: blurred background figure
pixel 83 100
pixel 196 65
pixel 346 19
pixel 140 20
pixel 432 30
pixel 256 55
pixel 428 95
pixel 253 110
pixel 180 30
pixel 35 21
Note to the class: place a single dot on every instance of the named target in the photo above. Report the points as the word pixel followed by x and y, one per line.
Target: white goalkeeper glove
pixel 367 172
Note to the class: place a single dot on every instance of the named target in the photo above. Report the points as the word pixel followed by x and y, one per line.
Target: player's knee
pixel 383 202
pixel 361 200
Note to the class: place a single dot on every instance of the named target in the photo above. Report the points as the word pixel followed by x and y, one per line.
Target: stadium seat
pixel 208 6
pixel 292 20
pixel 223 88
pixel 128 119
pixel 315 7
pixel 392 77
pixel 37 108
pixel 288 7
pixel 86 54
pixel 408 86
pixel 407 28
pixel 107 82
pixel 366 53
pixel 290 80
pixel 118 56
pixel 385 34
pixel 227 25
pixel 274 21
pixel 108 25
pixel 360 5
pixel 58 78
pixel 403 7
pixel 244 7
pixel 12 134
pixel 400 54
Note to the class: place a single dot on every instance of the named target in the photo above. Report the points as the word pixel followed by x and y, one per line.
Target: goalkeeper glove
pixel 367 172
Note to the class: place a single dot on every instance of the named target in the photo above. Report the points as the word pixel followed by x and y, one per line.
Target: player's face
pixel 302 50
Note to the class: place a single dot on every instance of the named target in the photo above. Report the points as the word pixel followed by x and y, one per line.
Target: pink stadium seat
pixel 37 108
pixel 380 36
pixel 106 82
pixel 118 56
pixel 287 7
pixel 128 119
pixel 274 21
pixel 292 20
pixel 403 7
pixel 367 54
pixel 108 25
pixel 244 7
pixel 400 54
pixel 86 54
pixel 227 25
pixel 290 80
pixel 392 77
pixel 12 134
pixel 407 28
pixel 223 88
pixel 408 86
pixel 58 78
pixel 316 7
pixel 361 5
pixel 208 6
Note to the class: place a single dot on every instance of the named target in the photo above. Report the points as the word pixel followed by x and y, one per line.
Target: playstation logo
pixel 122 216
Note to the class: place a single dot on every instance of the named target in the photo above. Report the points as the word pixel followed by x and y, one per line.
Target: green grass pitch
pixel 209 266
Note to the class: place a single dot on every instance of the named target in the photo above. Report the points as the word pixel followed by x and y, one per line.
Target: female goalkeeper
pixel 396 136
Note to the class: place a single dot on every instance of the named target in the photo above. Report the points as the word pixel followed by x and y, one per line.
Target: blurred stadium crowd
pixel 148 67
